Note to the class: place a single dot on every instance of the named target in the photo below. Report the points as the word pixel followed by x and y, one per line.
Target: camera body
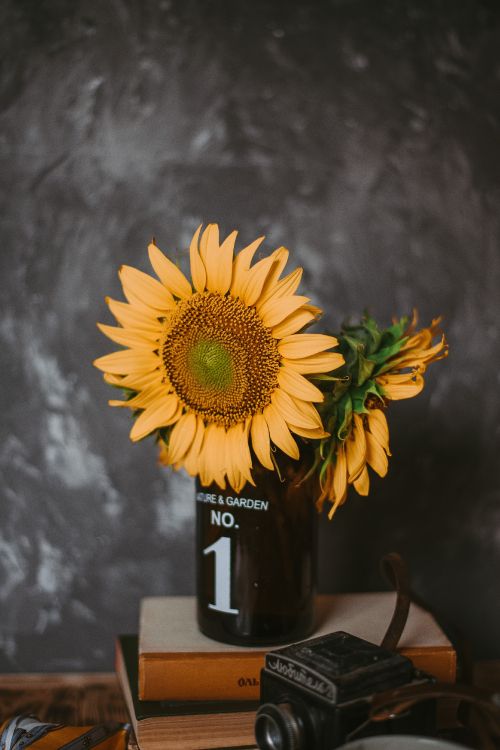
pixel 317 693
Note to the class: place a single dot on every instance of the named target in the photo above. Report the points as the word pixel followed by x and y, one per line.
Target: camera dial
pixel 277 727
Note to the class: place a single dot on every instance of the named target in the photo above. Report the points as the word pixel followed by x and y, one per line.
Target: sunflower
pixel 218 366
pixel 381 366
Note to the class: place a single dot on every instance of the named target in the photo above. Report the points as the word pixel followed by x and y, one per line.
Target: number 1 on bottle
pixel 222 584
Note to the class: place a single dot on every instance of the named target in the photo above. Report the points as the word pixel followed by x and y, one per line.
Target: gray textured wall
pixel 363 135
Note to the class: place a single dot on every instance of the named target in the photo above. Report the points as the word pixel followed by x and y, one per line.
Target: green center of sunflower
pixel 211 364
pixel 219 358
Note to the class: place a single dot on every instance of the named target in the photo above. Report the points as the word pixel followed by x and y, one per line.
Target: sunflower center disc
pixel 220 359
pixel 211 364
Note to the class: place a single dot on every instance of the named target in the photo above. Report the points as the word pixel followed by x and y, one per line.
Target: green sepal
pixel 394 333
pixel 163 433
pixel 327 378
pixel 314 467
pixel 361 393
pixel 366 332
pixel 340 388
pixel 384 354
pixel 365 368
pixel 323 469
pixel 128 393
pixel 374 331
pixel 344 417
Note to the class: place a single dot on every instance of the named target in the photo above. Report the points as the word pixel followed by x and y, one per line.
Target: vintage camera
pixel 317 694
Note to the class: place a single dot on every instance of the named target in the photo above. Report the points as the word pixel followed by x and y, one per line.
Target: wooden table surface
pixel 83 699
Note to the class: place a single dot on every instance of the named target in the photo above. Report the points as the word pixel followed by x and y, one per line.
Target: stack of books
pixel 185 691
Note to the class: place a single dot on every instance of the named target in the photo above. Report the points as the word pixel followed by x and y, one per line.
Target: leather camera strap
pixel 485 719
pixel 485 715
pixel 395 570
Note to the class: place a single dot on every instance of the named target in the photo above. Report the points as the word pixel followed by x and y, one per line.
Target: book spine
pixel 200 677
pixel 237 677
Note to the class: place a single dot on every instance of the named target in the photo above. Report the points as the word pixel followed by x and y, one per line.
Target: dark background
pixel 363 135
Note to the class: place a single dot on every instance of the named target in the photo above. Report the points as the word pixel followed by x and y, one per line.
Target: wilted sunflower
pixel 380 366
pixel 220 363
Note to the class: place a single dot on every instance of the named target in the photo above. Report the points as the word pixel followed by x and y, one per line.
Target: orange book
pixel 177 662
pixel 178 725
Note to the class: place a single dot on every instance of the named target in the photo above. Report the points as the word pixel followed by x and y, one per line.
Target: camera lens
pixel 278 728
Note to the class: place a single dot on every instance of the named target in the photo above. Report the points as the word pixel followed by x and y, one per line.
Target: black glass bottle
pixel 256 557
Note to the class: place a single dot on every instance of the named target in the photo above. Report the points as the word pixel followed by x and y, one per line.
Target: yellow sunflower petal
pixel 238 457
pixel 127 360
pixel 260 440
pixel 219 261
pixel 144 291
pixel 241 264
pixel 295 322
pixel 239 460
pixel 213 455
pixel 362 483
pixel 239 482
pixel 112 379
pixel 356 448
pixel 309 411
pixel 279 432
pixel 130 317
pixel 181 437
pixel 191 461
pixel 168 273
pixel 157 415
pixel 416 358
pixel 339 480
pixel 317 363
pixel 376 455
pixel 291 413
pixel 280 259
pixel 224 270
pixel 297 385
pixel 276 310
pixel 254 280
pixel 137 381
pixel 246 452
pixel 326 488
pixel 340 474
pixel 399 378
pixel 377 424
pixel 284 288
pixel 210 230
pixel 396 391
pixel 143 399
pixel 198 271
pixel 234 477
pixel 316 434
pixel 125 337
pixel 301 345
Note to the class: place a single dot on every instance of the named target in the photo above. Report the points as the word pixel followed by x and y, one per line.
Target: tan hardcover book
pixel 177 661
pixel 177 725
